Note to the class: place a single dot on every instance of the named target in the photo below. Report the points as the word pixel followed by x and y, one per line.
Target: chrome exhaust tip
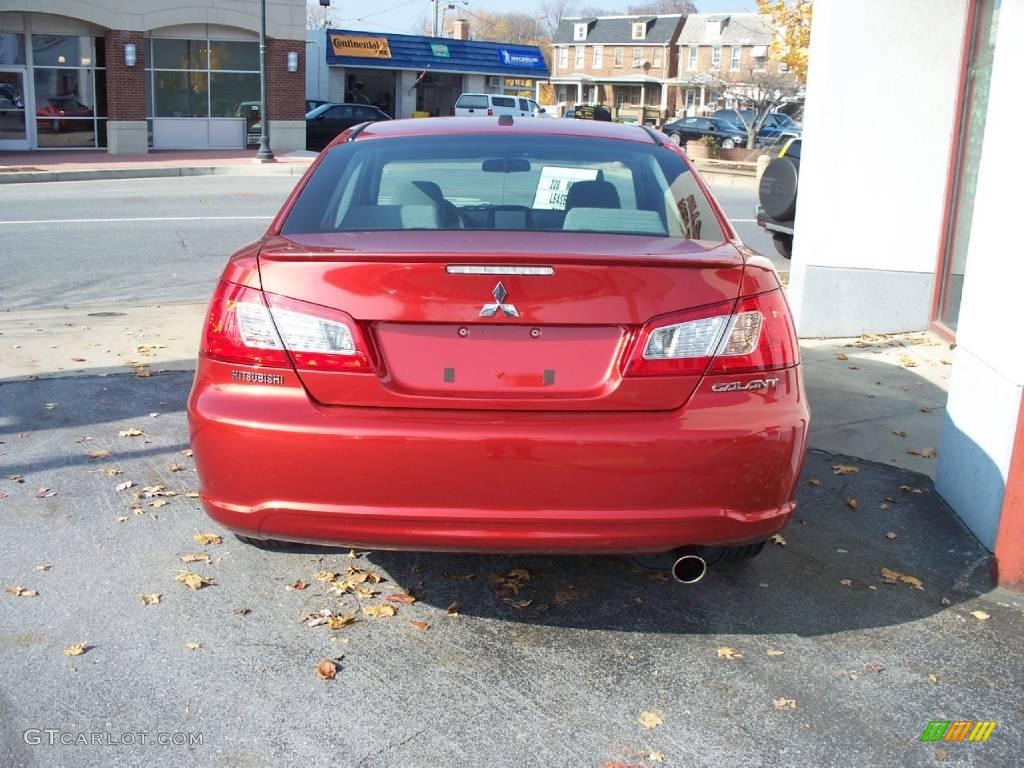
pixel 688 567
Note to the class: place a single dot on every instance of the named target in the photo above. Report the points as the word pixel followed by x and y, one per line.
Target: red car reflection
pixel 62 107
pixel 492 335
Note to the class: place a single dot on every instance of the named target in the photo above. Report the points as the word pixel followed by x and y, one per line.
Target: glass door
pixel 13 127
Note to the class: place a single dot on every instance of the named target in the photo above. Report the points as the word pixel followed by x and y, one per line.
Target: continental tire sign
pixel 357 45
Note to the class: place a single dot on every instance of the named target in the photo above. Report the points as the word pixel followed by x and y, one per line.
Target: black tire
pixel 777 190
pixel 783 244
pixel 675 139
pixel 267 544
pixel 728 144
pixel 733 554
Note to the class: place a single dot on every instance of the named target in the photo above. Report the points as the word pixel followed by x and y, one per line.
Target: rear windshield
pixel 472 102
pixel 508 183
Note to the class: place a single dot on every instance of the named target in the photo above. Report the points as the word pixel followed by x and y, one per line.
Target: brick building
pixel 717 52
pixel 129 76
pixel 623 62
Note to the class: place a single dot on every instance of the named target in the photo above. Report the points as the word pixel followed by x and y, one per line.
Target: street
pixel 807 655
pixel 146 241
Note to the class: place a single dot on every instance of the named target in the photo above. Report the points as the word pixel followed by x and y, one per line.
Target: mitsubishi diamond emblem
pixel 499 293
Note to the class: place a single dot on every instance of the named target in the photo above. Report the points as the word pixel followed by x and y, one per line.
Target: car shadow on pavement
pixel 825 575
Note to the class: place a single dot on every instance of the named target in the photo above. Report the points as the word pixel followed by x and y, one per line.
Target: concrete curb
pixel 154 172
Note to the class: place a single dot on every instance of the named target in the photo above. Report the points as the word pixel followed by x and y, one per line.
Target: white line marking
pixel 141 218
pixel 742 221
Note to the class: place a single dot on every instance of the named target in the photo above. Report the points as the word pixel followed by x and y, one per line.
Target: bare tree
pixel 317 16
pixel 760 91
pixel 552 12
pixel 655 7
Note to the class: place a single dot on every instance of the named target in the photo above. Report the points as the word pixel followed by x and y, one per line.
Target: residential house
pixel 721 49
pixel 623 62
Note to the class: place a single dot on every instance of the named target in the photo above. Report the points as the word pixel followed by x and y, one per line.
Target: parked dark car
pixel 777 126
pixel 312 104
pixel 693 128
pixel 328 120
pixel 776 197
pixel 589 112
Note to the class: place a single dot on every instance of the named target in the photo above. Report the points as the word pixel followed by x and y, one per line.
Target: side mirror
pixel 542 111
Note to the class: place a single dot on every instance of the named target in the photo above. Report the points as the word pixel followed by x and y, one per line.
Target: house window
pixel 716 56
pixel 783 66
pixel 618 56
pixel 598 56
pixel 639 30
pixel 760 62
pixel 562 93
pixel 692 63
pixel 734 62
pixel 579 32
pixel 563 58
pixel 656 63
pixel 580 52
pixel 628 95
pixel 638 58
pixel 70 90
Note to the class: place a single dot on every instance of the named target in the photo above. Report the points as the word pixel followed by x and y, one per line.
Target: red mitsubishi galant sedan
pixel 472 334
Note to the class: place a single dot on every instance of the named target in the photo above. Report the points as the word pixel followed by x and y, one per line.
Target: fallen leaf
pixel 16 478
pixel 341 620
pixel 946 601
pixel 195 557
pixel 44 493
pixel 43 567
pixel 151 599
pixel 933 678
pixel 778 539
pixel 729 653
pixel 99 453
pixel 20 591
pixel 929 453
pixel 193 646
pixel 193 580
pixel 159 503
pixel 851 675
pixel 241 611
pixel 401 597
pixel 844 469
pixel 518 603
pixel 192 494
pixel 851 502
pixel 883 506
pixel 846 582
pixel 325 575
pixel 812 481
pixel 379 611
pixel 121 519
pixel 980 615
pixel 458 576
pixel 51 406
pixel 174 468
pixel 298 586
pixel 873 667
pixel 651 719
pixel 207 538
pixel 782 704
pixel 186 452
pixel 131 432
pixel 123 486
pixel 775 652
pixel 317 618
pixel 899 433
pixel 77 649
pixel 352 554
pixel 365 593
pixel 326 670
pixel 453 609
pixel 841 356
pixel 419 624
pixel 925 409
pixel 891 535
pixel 111 471
pixel 907 361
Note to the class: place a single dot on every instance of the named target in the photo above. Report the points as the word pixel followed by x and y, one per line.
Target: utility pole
pixel 263 154
pixel 437 9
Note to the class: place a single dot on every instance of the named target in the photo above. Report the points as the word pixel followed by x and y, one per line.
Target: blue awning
pixel 439 54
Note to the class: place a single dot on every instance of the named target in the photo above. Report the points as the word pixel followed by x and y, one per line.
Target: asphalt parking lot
pixel 805 656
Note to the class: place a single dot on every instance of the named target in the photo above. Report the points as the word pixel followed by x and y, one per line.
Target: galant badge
pixel 738 386
pixel 499 293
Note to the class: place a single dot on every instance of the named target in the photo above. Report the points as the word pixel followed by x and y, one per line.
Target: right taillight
pixel 490 112
pixel 754 335
pixel 246 326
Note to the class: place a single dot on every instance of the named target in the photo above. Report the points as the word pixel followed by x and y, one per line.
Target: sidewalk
pixel 89 165
pixel 880 398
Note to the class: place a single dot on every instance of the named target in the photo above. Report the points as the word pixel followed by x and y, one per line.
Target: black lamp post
pixel 263 154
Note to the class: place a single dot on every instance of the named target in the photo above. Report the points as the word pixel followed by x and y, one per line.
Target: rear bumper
pixel 274 464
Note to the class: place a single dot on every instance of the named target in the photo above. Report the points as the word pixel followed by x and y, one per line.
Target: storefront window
pixel 70 91
pixel 970 137
pixel 12 48
pixel 181 94
pixel 222 78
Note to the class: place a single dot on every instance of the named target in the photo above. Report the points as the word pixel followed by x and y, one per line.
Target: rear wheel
pixel 783 244
pixel 675 139
pixel 728 144
pixel 268 544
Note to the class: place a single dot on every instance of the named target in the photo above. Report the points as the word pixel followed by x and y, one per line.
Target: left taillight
pixel 756 334
pixel 245 325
